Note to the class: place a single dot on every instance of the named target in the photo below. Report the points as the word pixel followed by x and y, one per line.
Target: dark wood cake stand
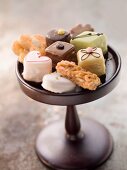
pixel 81 145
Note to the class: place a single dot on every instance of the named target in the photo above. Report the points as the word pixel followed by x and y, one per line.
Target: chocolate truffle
pixel 57 35
pixel 60 51
pixel 90 39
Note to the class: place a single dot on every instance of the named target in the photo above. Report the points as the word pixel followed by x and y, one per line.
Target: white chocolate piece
pixel 92 59
pixel 54 82
pixel 36 66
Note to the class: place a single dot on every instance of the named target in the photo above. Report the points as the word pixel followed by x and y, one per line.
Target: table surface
pixel 22 118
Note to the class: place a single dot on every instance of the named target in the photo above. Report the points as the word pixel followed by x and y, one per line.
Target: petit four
pixel 28 43
pixel 79 76
pixel 78 29
pixel 90 39
pixel 92 59
pixel 77 56
pixel 36 66
pixel 57 35
pixel 60 51
pixel 54 82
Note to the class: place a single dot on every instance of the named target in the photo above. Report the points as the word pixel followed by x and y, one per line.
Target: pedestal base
pixel 87 152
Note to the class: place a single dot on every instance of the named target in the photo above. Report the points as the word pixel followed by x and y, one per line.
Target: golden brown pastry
pixel 76 74
pixel 28 43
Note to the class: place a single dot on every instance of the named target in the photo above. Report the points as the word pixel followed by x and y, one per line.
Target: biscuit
pixel 79 76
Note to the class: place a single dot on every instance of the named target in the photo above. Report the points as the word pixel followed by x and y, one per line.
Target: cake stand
pixel 75 144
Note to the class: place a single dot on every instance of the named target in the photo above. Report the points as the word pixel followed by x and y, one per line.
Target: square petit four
pixel 36 66
pixel 92 59
pixel 90 39
pixel 60 51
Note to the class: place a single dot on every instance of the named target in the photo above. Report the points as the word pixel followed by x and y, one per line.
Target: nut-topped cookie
pixel 79 76
pixel 57 35
pixel 60 51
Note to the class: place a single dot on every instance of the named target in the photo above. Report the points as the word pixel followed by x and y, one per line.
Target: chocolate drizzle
pixel 87 35
pixel 86 53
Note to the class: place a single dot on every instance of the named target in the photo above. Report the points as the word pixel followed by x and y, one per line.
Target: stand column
pixel 72 123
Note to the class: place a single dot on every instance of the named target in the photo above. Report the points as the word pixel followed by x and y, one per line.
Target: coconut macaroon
pixel 36 66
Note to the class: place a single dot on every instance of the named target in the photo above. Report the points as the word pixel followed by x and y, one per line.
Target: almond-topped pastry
pixel 79 76
pixel 27 43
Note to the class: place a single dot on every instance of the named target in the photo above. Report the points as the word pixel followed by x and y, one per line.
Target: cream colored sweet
pixel 54 82
pixel 36 66
pixel 92 59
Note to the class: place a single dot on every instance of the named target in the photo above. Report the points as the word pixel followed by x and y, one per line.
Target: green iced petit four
pixel 90 39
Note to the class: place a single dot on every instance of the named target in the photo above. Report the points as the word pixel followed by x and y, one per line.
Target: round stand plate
pixel 36 92
pixel 58 152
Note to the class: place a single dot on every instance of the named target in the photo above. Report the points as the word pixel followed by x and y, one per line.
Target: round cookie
pixel 54 82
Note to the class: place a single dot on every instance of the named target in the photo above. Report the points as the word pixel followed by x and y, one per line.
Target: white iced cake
pixel 36 66
pixel 54 82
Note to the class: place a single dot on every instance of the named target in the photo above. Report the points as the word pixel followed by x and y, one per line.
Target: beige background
pixel 21 118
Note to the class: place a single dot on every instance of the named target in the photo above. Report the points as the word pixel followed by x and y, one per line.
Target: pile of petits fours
pixel 63 60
